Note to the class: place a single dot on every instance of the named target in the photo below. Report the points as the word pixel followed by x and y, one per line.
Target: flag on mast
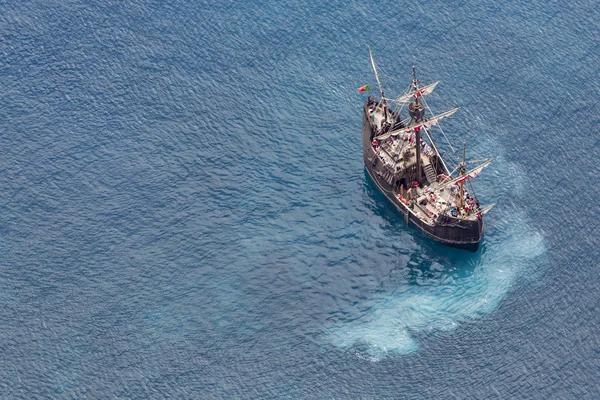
pixel 364 88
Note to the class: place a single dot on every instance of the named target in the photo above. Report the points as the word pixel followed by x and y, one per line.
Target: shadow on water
pixel 435 287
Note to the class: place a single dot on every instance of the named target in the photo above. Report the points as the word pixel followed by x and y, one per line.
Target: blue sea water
pixel 185 211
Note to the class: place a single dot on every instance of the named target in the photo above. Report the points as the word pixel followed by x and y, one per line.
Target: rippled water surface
pixel 185 211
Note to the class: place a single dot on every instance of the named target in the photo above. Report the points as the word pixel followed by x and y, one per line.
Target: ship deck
pixel 398 154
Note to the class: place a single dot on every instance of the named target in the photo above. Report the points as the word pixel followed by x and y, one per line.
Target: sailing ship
pixel 403 160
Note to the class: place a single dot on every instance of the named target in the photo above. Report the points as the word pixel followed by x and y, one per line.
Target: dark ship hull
pixel 464 234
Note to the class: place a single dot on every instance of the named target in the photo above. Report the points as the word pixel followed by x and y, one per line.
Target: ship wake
pixel 395 321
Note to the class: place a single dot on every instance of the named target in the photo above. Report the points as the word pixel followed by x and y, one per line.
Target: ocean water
pixel 185 211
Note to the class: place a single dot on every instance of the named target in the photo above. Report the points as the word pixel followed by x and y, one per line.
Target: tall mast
pixel 377 76
pixel 416 111
pixel 414 82
pixel 461 200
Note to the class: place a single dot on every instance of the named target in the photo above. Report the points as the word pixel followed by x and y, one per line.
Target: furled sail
pixel 416 94
pixel 469 175
pixel 417 127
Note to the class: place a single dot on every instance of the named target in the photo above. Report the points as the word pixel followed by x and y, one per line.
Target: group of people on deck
pixel 470 204
pixel 427 196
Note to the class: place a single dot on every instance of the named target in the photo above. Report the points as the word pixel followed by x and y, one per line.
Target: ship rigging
pixel 403 160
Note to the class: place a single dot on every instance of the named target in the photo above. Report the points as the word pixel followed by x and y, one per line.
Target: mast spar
pixel 423 91
pixel 421 125
pixel 377 76
pixel 464 176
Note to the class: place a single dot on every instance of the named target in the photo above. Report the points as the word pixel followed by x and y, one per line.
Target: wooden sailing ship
pixel 402 158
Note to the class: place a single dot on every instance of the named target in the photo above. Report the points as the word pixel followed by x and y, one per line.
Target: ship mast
pixel 461 200
pixel 416 111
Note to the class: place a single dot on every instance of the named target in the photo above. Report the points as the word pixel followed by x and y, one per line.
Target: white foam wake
pixel 390 324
